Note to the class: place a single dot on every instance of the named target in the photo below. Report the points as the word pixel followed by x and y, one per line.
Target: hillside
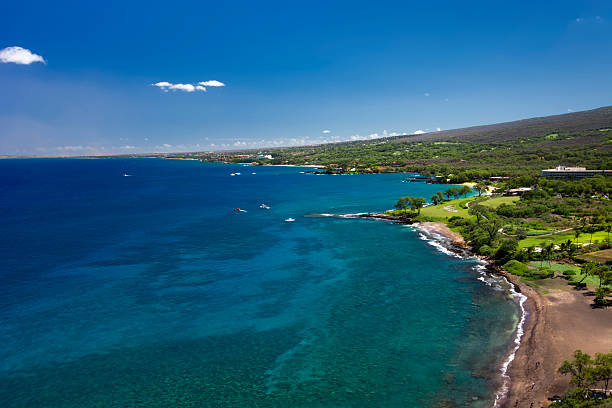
pixel 523 147
pixel 517 148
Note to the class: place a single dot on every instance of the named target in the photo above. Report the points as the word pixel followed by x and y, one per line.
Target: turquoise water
pixel 149 290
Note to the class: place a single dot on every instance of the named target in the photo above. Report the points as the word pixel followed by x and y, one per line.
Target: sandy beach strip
pixel 441 229
pixel 558 323
pixel 559 320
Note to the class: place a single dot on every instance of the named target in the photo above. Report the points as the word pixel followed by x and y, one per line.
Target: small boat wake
pixel 344 216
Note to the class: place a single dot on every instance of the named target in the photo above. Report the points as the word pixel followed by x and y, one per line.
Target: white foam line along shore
pixel 441 243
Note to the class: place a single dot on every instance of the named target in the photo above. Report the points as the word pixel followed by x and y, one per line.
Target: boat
pixel 290 219
pixel 239 210
pixel 265 207
pixel 126 175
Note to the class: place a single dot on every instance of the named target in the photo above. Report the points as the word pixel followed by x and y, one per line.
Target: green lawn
pixel 497 201
pixel 448 209
pixel 455 207
pixel 559 267
pixel 599 236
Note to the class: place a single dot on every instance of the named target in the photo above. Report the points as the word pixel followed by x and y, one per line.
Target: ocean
pixel 133 282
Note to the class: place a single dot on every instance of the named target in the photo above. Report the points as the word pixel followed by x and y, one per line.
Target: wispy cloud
pixel 18 55
pixel 165 86
pixel 200 86
pixel 213 83
pixel 419 132
pixel 426 94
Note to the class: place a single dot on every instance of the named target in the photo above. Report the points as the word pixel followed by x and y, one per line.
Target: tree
pixel 480 188
pixel 491 227
pixel 602 272
pixel 450 193
pixel 465 190
pixel 603 368
pixel 581 370
pixel 401 204
pixel 416 203
pixel 590 230
pixel 586 270
pixel 608 228
pixel 577 232
pixel 548 251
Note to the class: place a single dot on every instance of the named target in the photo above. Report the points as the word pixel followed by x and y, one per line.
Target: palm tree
pixel 530 251
pixel 577 232
pixel 550 251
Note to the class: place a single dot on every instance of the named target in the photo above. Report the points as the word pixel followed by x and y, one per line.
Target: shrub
pixel 486 250
pixel 516 268
pixel 569 272
pixel 541 273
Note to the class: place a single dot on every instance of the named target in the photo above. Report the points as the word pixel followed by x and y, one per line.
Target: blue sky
pixel 291 71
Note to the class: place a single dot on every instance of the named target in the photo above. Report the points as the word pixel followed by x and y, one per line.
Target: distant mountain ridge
pixel 567 122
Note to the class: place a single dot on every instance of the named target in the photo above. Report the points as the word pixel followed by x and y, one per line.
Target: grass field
pixel 497 201
pixel 448 209
pixel 599 236
pixel 454 208
pixel 559 267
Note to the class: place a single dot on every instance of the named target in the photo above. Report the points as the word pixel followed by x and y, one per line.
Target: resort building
pixel 562 172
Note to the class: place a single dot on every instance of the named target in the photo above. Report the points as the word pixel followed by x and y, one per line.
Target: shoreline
pixel 514 373
pixel 555 320
pixel 454 242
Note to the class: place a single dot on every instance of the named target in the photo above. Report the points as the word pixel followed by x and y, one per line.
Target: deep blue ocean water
pixel 149 290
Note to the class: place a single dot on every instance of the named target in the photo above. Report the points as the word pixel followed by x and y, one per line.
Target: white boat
pixel 290 220
pixel 265 207
pixel 126 175
pixel 253 173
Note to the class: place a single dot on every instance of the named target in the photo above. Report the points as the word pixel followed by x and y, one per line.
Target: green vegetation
pixel 588 378
pixel 448 209
pixel 461 155
pixel 497 201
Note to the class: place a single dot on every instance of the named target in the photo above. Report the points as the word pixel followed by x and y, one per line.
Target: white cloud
pixel 326 132
pixel 419 132
pixel 20 56
pixel 166 145
pixel 128 147
pixel 426 94
pixel 579 20
pixel 165 86
pixel 438 129
pixel 200 86
pixel 212 83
